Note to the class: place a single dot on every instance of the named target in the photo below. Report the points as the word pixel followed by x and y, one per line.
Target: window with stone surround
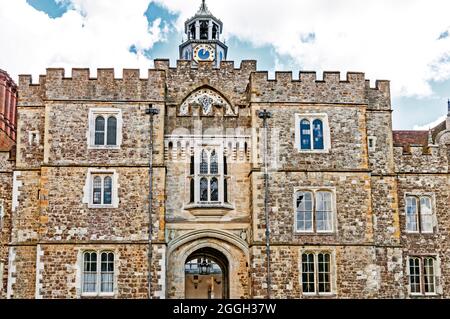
pixel 208 183
pixel 316 273
pixel 315 211
pixel 105 128
pixel 422 273
pixel 101 190
pixel 98 273
pixel 420 216
pixel 312 133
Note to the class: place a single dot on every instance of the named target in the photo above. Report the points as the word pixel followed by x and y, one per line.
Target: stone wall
pixel 6 181
pixel 52 223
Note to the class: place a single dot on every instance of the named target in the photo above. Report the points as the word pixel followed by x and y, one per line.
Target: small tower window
pixel 192 30
pixel 204 26
pixel 215 32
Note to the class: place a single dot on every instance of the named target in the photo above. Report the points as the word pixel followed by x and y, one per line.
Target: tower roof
pixel 203 9
pixel 204 13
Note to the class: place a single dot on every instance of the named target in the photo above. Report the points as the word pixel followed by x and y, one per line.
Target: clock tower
pixel 203 38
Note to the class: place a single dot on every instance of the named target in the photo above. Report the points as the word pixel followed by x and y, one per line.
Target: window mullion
pixel 316 273
pixel 97 275
pixel 105 142
pixel 419 214
pixel 102 192
pixel 422 274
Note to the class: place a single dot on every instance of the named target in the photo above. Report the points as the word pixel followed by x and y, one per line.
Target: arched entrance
pixel 206 275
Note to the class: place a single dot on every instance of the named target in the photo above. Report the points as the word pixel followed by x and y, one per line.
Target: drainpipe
pixel 264 115
pixel 152 112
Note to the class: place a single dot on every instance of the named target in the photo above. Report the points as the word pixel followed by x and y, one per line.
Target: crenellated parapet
pixel 307 89
pixel 181 148
pixel 186 77
pixel 106 87
pixel 420 159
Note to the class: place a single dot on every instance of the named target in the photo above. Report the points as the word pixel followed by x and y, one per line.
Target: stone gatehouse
pixel 354 209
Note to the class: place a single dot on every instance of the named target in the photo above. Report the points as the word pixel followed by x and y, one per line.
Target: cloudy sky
pixel 405 41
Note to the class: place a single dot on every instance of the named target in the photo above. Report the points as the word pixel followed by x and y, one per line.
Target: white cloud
pixel 394 40
pixel 94 34
pixel 431 125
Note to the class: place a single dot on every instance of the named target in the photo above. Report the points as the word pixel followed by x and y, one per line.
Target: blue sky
pixel 284 51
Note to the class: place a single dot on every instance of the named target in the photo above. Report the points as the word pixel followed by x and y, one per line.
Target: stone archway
pixel 206 275
pixel 223 247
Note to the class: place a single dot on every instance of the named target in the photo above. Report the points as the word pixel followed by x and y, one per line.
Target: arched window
pixel 214 163
pixel 208 176
pixel 112 131
pixel 412 214
pixel 324 212
pixel 318 135
pixel 100 130
pixel 308 270
pixel 107 195
pixel 419 214
pixel 305 135
pixel 97 191
pixel 305 212
pixel 107 272
pixel 426 215
pixel 214 190
pixel 312 133
pixel 97 281
pixel 90 272
pixel 204 190
pixel 204 163
pixel 204 30
pixel 215 32
pixel 105 128
pixel 192 28
pixel 102 189
pixel 315 211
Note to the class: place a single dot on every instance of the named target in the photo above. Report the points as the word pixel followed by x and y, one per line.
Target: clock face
pixel 204 52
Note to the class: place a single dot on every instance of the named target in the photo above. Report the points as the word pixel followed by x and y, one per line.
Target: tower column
pixel 210 30
pixel 197 29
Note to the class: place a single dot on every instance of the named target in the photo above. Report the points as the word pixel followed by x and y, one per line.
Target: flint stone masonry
pixel 46 190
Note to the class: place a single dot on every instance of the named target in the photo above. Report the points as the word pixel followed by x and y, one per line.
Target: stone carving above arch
pixel 205 99
pixel 194 236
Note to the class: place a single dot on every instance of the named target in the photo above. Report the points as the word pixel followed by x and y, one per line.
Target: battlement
pixel 229 66
pixel 308 89
pixel 106 87
pixel 418 158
